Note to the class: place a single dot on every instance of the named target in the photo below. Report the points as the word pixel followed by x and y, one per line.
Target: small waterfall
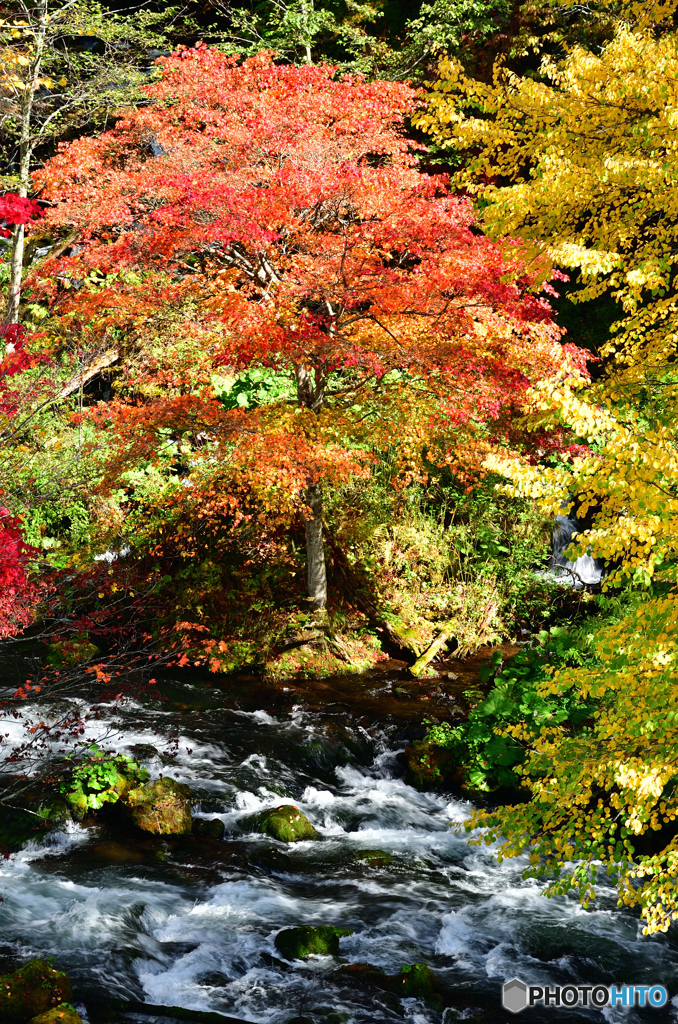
pixel 585 569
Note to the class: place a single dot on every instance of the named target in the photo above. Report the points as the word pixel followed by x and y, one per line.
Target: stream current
pixel 191 922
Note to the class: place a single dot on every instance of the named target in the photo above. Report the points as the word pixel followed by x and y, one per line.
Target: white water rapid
pixel 191 923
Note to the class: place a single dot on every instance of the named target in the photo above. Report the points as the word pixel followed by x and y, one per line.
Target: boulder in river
pixel 35 988
pixel 209 828
pixel 287 824
pixel 100 779
pixel 419 980
pixel 162 806
pixel 373 858
pixel 299 943
pixel 414 981
pixel 63 1014
pixel 17 827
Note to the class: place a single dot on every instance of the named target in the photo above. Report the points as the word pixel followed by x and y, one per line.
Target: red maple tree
pixel 17 594
pixel 282 209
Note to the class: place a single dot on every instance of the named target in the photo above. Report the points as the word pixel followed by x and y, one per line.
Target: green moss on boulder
pixel 299 943
pixel 287 824
pixel 373 858
pixel 209 828
pixel 420 981
pixel 63 1014
pixel 17 827
pixel 36 988
pixel 414 981
pixel 162 806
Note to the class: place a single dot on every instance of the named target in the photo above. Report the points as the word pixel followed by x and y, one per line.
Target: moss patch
pixel 337 655
pixel 287 824
pixel 299 943
pixel 36 988
pixel 373 858
pixel 414 981
pixel 162 806
pixel 63 1014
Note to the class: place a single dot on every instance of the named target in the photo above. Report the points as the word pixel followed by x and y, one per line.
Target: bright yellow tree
pixel 581 164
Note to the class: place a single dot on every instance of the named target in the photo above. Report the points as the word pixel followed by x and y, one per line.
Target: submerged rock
pixel 374 858
pixel 162 806
pixel 36 988
pixel 287 824
pixel 63 1014
pixel 299 943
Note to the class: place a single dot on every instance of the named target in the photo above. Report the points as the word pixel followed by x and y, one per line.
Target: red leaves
pixel 14 210
pixel 281 208
pixel 17 594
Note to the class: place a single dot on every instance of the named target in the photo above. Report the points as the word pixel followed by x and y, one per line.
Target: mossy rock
pixel 77 651
pixel 101 780
pixel 287 824
pixel 428 765
pixel 162 806
pixel 414 981
pixel 374 858
pixel 36 988
pixel 17 828
pixel 63 1014
pixel 419 980
pixel 299 943
pixel 55 810
pixel 209 828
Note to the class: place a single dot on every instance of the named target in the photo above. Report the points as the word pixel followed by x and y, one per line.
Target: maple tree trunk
pixel 310 394
pixel 315 550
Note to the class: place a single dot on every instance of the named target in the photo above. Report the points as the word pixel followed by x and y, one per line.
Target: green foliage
pixel 253 387
pixel 98 779
pixel 307 30
pixel 482 743
pixel 64 519
pixel 445 25
pixel 438 554
pixel 376 38
pixel 75 651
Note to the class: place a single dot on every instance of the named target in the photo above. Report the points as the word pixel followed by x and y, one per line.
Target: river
pixel 191 922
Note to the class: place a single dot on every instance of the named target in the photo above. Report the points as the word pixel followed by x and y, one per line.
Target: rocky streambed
pixel 315 883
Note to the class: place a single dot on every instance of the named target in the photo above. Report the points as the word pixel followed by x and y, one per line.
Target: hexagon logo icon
pixel 514 995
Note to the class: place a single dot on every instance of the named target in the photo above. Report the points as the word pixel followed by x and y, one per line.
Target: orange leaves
pixel 269 216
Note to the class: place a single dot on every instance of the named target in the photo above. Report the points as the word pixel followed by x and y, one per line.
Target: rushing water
pixel 191 922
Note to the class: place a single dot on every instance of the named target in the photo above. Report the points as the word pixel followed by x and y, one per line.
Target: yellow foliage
pixel 591 153
pixel 581 165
